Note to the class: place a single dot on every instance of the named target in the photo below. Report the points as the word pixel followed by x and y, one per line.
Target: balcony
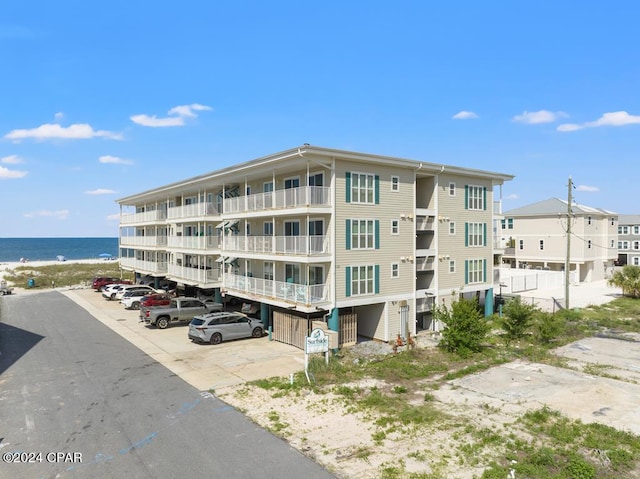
pixel 147 267
pixel 144 241
pixel 425 263
pixel 293 245
pixel 193 242
pixel 144 217
pixel 304 196
pixel 425 223
pixel 195 276
pixel 289 292
pixel 195 210
pixel 424 305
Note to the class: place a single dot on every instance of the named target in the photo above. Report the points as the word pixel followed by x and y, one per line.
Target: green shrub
pixel 517 318
pixel 465 327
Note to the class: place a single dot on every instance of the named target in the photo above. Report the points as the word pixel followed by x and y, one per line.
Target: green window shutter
pixel 466 197
pixel 466 271
pixel 466 234
pixel 348 234
pixel 484 270
pixel 347 178
pixel 484 239
pixel 376 190
pixel 377 234
pixel 484 193
pixel 347 279
pixel 376 278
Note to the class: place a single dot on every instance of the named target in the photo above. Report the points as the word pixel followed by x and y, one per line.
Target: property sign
pixel 317 342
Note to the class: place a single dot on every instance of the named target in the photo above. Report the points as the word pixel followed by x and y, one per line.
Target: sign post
pixel 316 342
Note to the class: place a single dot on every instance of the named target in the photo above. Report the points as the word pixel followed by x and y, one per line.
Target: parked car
pixel 180 310
pixel 217 327
pixel 156 299
pixel 132 297
pixel 109 291
pixel 132 287
pixel 101 281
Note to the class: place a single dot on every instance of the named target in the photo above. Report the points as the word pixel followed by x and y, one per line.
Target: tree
pixel 465 327
pixel 517 318
pixel 628 279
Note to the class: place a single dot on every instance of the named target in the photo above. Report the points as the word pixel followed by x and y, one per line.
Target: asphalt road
pixel 78 401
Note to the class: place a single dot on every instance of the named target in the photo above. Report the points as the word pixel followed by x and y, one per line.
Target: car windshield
pixel 197 321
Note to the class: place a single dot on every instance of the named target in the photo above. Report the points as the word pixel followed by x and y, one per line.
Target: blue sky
pixel 101 100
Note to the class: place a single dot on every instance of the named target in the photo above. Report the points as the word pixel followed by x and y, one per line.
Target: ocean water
pixel 47 249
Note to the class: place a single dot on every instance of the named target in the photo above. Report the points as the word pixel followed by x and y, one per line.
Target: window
pixel 636 260
pixel 247 190
pixel 588 220
pixel 521 244
pixel 613 221
pixel 316 275
pixel 267 228
pixel 268 270
pixel 475 270
pixel 623 230
pixel 541 245
pixel 362 280
pixel 362 188
pixel 623 245
pixel 395 227
pixel 316 180
pixel 452 228
pixel 395 183
pixel 476 233
pixel 267 187
pixel 247 229
pixel 292 228
pixel 291 183
pixel 613 244
pixel 452 266
pixel 475 197
pixel 452 189
pixel 395 270
pixel 589 244
pixel 510 223
pixel 292 273
pixel 316 227
pixel 503 224
pixel 636 245
pixel 363 234
pixel 636 230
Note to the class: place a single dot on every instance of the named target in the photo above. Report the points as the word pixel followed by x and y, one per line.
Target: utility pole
pixel 567 262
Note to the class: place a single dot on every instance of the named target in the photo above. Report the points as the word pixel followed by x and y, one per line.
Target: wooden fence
pixel 291 329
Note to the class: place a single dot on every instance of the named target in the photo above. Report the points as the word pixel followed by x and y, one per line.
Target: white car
pixel 133 287
pixel 109 291
pixel 131 297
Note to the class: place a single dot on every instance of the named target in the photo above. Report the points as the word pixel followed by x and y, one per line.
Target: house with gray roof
pixel 628 240
pixel 537 236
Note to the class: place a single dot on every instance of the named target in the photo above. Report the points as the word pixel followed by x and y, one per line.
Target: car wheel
pixel 256 333
pixel 135 305
pixel 162 323
pixel 113 296
pixel 216 338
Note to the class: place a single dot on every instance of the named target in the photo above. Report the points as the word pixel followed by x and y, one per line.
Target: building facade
pixel 315 232
pixel 537 236
pixel 628 240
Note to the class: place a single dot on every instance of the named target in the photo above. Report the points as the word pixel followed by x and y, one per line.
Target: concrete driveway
pixel 205 367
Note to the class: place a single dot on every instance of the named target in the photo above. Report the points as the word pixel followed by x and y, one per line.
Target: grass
pixel 63 275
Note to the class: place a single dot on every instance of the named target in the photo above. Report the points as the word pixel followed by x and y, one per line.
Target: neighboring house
pixel 628 240
pixel 538 238
pixel 315 232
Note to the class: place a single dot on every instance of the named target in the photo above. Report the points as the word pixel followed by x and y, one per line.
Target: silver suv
pixel 217 327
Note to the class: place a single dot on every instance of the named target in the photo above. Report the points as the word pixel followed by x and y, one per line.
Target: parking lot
pixel 205 367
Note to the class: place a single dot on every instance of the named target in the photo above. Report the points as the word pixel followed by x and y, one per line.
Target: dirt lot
pixel 327 428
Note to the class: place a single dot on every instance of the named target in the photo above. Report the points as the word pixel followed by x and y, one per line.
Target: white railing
pixel 287 198
pixel 149 241
pixel 296 245
pixel 193 242
pixel 149 267
pixel 192 211
pixel 145 217
pixel 424 223
pixel 425 264
pixel 194 275
pixel 290 292
pixel 497 207
pixel 424 305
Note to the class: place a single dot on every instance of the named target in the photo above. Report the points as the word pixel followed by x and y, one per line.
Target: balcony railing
pixel 295 245
pixel 148 267
pixel 287 198
pixel 194 275
pixel 144 217
pixel 425 223
pixel 424 305
pixel 194 210
pixel 193 242
pixel 148 241
pixel 290 292
pixel 425 263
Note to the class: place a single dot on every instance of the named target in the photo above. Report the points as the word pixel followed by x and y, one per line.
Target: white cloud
pixel 464 115
pixel 114 160
pixel 114 217
pixel 59 116
pixel 6 173
pixel 50 131
pixel 99 191
pixel 60 214
pixel 540 116
pixel 179 114
pixel 587 188
pixel 11 160
pixel 511 197
pixel 614 118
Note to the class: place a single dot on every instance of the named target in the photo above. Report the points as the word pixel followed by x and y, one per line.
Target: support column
pixel 217 296
pixel 264 314
pixel 488 302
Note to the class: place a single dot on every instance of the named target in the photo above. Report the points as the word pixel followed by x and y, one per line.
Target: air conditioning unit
pixel 410 216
